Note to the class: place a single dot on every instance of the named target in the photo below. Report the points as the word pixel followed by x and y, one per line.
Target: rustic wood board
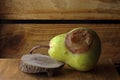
pixel 9 70
pixel 60 9
pixel 17 39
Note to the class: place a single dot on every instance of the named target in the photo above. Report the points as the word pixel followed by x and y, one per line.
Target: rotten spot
pixel 79 40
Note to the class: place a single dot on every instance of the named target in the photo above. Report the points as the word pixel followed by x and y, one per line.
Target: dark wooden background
pixel 60 9
pixel 18 39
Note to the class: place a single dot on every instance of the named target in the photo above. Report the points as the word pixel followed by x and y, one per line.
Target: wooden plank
pixel 60 9
pixel 9 70
pixel 18 39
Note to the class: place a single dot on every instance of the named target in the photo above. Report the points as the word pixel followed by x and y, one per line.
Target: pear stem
pixel 39 46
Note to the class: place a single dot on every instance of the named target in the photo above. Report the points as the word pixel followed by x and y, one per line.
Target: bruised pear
pixel 80 48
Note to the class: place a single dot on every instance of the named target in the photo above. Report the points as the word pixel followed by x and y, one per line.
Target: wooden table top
pixel 9 70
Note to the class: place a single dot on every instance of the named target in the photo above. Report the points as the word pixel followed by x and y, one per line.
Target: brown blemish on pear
pixel 79 40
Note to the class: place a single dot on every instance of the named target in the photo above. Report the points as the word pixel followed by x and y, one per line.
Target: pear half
pixel 80 48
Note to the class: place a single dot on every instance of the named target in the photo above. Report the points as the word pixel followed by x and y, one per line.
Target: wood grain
pixel 60 9
pixel 9 70
pixel 17 39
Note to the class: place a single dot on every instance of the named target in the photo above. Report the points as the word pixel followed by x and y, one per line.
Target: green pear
pixel 80 48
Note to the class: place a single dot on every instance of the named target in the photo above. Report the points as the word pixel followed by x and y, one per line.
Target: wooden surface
pixel 60 9
pixel 17 39
pixel 9 70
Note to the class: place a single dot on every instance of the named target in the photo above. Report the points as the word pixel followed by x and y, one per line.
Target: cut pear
pixel 37 63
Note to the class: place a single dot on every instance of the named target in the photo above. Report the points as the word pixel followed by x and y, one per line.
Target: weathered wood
pixel 60 9
pixel 9 70
pixel 18 39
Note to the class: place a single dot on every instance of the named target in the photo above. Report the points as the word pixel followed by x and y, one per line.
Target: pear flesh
pixel 39 63
pixel 80 48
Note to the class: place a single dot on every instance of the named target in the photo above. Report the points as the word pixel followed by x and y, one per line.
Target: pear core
pixel 79 40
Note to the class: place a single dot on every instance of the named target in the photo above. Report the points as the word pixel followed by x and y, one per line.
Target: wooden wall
pixel 60 9
pixel 18 39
